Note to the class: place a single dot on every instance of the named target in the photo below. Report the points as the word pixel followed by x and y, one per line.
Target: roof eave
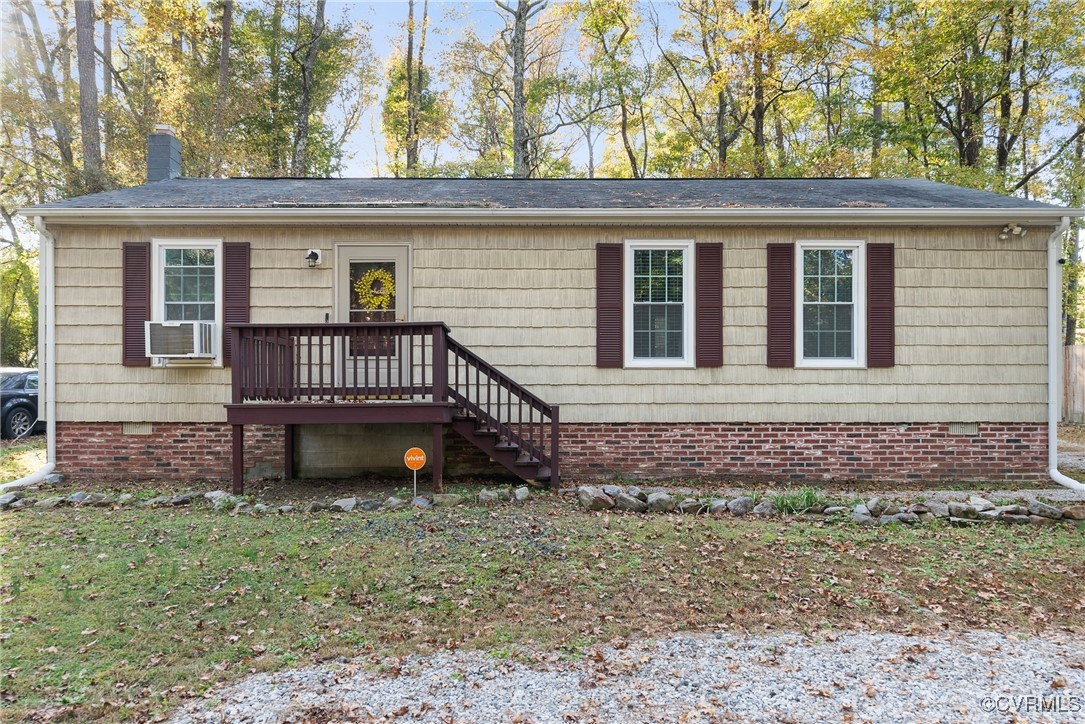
pixel 555 216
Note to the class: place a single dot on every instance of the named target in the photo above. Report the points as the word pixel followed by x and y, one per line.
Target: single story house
pixel 784 329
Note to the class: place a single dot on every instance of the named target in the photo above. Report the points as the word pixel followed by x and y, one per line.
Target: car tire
pixel 18 422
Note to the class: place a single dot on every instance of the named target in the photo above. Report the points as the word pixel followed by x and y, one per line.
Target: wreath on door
pixel 376 289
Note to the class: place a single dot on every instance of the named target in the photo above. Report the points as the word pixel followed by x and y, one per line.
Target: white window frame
pixel 158 287
pixel 688 248
pixel 858 342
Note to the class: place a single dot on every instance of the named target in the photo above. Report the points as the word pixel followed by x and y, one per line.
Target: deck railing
pixel 389 362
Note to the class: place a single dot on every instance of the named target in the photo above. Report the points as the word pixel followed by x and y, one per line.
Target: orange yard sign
pixel 414 458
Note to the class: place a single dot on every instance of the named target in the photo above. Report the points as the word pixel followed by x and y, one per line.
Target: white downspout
pixel 1054 356
pixel 46 355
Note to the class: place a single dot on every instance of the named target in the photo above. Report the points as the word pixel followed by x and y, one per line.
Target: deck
pixel 389 372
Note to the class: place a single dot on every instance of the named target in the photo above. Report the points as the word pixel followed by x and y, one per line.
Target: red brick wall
pixel 599 451
pixel 804 452
pixel 171 450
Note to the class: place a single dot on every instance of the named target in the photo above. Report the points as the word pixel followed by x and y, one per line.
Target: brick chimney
pixel 163 154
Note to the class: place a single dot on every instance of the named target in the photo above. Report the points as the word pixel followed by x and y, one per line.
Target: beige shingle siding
pixel 970 321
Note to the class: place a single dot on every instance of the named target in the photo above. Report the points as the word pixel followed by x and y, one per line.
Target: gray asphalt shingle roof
pixel 256 193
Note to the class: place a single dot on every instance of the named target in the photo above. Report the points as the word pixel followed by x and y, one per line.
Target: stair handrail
pixel 547 413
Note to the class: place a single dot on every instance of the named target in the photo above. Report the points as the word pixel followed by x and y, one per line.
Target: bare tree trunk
pixel 223 83
pixel 759 107
pixel 88 95
pixel 412 110
pixel 107 86
pixel 300 164
pixel 1073 281
pixel 275 66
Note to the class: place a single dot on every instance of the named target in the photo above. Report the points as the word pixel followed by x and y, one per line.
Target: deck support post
pixel 438 458
pixel 239 459
pixel 288 452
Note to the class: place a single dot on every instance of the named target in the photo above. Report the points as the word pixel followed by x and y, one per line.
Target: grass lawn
pixel 124 613
pixel 21 457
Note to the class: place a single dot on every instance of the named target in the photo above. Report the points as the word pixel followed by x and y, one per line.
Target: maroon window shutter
pixel 709 294
pixel 608 305
pixel 880 334
pixel 781 305
pixel 235 294
pixel 135 302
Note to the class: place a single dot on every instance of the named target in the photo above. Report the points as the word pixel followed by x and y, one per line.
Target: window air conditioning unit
pixel 190 340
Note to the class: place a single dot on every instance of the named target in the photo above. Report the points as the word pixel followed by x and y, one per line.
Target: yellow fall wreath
pixel 376 289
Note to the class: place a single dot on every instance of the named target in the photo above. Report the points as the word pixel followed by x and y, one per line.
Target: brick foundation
pixel 903 452
pixel 165 450
pixel 920 452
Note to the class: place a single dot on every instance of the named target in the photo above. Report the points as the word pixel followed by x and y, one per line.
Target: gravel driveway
pixel 974 676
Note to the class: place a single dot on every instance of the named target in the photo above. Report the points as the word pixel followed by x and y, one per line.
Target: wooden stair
pixel 501 449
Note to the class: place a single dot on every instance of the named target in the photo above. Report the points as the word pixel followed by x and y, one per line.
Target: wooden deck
pixel 394 373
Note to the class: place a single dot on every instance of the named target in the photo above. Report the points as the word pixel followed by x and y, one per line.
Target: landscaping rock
pixel 765 508
pixel 964 522
pixel 611 490
pixel 393 503
pixel 124 498
pixel 20 504
pixel 718 506
pixel 980 504
pixel 522 494
pixel 283 509
pixel 962 510
pixel 444 500
pixel 988 514
pixel 53 479
pixel 876 507
pixel 224 503
pixel 315 507
pixel 216 495
pixel 8 498
pixel 487 496
pixel 183 498
pixel 860 518
pixel 422 502
pixel 1014 519
pixel 1074 512
pixel 690 505
pixel 593 498
pixel 260 508
pixel 660 503
pixel 369 504
pixel 1044 510
pixel 503 494
pixel 741 505
pixel 835 510
pixel 241 509
pixel 918 508
pixel 1042 520
pixel 906 518
pixel 344 505
pixel 625 501
pixel 861 509
pixel 50 503
pixel 937 509
pixel 98 500
pixel 77 497
pixel 637 493
pixel 891 509
pixel 1012 510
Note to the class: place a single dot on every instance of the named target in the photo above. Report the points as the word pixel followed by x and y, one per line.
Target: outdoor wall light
pixel 313 257
pixel 1015 229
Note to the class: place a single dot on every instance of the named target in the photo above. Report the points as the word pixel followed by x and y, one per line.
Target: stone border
pixel 876 511
pixel 630 499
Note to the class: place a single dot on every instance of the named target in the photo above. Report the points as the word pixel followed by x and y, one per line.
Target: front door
pixel 372 285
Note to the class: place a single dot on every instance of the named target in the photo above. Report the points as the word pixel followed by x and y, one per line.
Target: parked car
pixel 19 392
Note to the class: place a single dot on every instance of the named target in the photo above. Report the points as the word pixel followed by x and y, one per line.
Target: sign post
pixel 414 459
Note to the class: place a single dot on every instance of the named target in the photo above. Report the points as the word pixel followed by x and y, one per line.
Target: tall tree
pixel 307 63
pixel 88 96
pixel 223 81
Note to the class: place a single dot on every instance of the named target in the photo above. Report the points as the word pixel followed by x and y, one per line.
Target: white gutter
pixel 555 216
pixel 1054 355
